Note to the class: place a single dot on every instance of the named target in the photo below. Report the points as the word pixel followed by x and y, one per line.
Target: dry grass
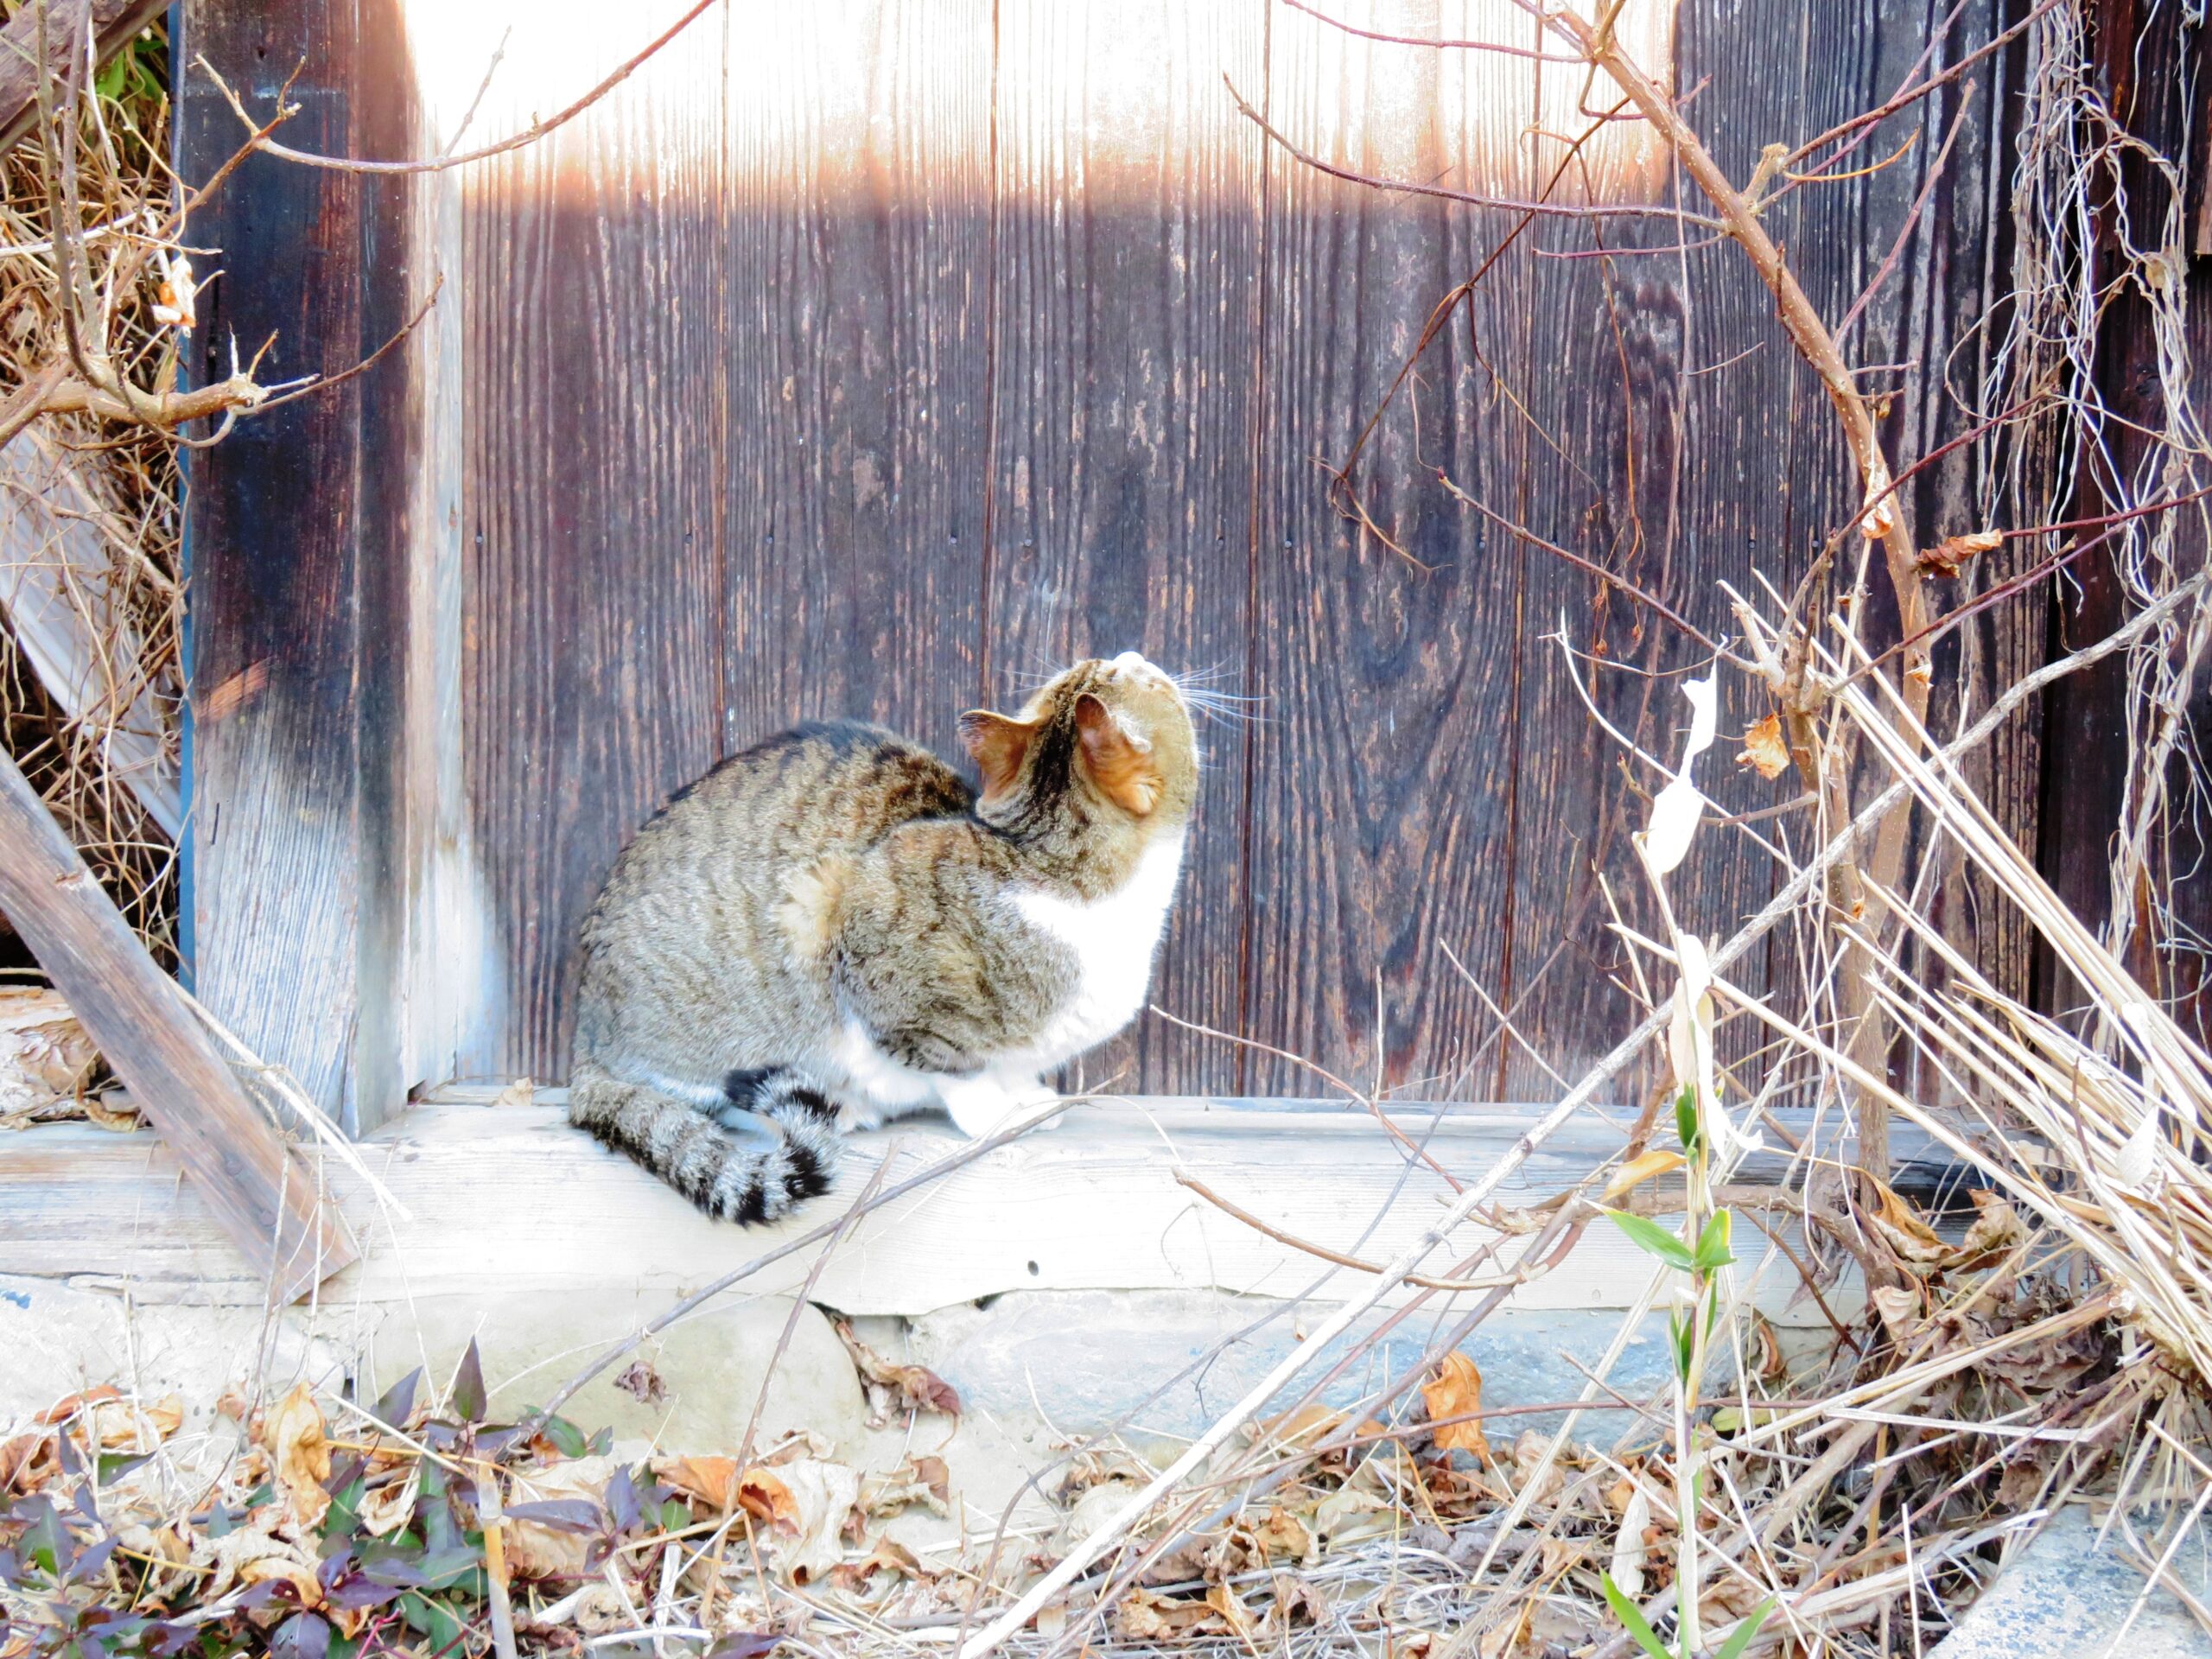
pixel 122 488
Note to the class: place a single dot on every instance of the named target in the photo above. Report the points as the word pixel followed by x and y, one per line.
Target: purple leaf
pixel 398 1401
pixel 303 1635
pixel 90 1564
pixel 469 1397
pixel 561 1513
pixel 622 1501
pixel 360 1592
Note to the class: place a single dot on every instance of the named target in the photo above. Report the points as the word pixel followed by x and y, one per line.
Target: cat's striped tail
pixel 731 1176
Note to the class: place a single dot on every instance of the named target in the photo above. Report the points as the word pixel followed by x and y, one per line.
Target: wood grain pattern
pixel 1091 1206
pixel 594 434
pixel 264 1200
pixel 1763 479
pixel 2143 61
pixel 1381 800
pixel 280 915
pixel 859 252
pixel 1126 308
pixel 863 357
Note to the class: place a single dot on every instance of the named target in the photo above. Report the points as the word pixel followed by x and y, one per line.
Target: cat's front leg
pixel 986 1103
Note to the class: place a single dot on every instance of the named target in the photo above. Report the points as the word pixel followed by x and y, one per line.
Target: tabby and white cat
pixel 832 929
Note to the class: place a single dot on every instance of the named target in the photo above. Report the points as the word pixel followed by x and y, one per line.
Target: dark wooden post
pixel 2140 54
pixel 295 892
pixel 263 1194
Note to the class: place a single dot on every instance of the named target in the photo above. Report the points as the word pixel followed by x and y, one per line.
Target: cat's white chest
pixel 1114 939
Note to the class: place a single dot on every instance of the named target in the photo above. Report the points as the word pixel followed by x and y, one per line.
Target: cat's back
pixel 819 789
pixel 683 937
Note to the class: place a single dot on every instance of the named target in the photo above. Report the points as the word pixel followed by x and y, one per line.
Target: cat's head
pixel 1113 733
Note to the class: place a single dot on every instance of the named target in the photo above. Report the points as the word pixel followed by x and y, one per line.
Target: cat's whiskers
pixel 1226 707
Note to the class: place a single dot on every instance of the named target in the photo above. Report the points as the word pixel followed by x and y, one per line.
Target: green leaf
pixel 1684 1333
pixel 1686 1123
pixel 1713 1250
pixel 567 1438
pixel 1633 1621
pixel 342 1520
pixel 1740 1637
pixel 1650 1236
pixel 674 1517
pixel 108 82
pixel 432 1619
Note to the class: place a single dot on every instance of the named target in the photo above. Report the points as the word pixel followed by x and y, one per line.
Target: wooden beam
pixel 1092 1205
pixel 263 1196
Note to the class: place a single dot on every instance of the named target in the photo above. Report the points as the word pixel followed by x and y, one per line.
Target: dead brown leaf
pixel 924 1481
pixel 114 1111
pixel 766 1497
pixel 1645 1167
pixel 1296 1601
pixel 1558 1556
pixel 250 1557
pixel 1456 1391
pixel 1143 1616
pixel 1281 1535
pixel 124 1426
pixel 70 1405
pixel 812 1500
pixel 892 1387
pixel 28 1463
pixel 1224 1600
pixel 1997 1231
pixel 1545 1474
pixel 298 1456
pixel 715 1483
pixel 643 1383
pixel 385 1510
pixel 1764 750
pixel 45 1058
pixel 1948 556
pixel 1728 1599
pixel 1912 1240
pixel 889 1556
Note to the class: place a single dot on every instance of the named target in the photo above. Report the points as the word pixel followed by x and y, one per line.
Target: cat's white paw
pixel 984 1105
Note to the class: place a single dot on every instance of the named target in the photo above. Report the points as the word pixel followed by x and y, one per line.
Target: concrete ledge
pixel 2062 1598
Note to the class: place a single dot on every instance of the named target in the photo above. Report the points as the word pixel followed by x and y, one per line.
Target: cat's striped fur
pixel 832 928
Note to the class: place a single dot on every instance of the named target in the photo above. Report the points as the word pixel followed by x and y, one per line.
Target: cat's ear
pixel 1119 765
pixel 998 746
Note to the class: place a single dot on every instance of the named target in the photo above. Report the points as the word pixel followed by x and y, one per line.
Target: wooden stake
pixel 263 1194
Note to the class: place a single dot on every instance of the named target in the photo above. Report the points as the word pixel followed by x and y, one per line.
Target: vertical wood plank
pixel 1676 474
pixel 286 900
pixel 1381 783
pixel 1126 316
pixel 594 434
pixel 2141 57
pixel 1762 475
pixel 859 258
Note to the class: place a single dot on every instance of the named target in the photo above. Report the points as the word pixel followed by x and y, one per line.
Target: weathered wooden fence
pixel 868 356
